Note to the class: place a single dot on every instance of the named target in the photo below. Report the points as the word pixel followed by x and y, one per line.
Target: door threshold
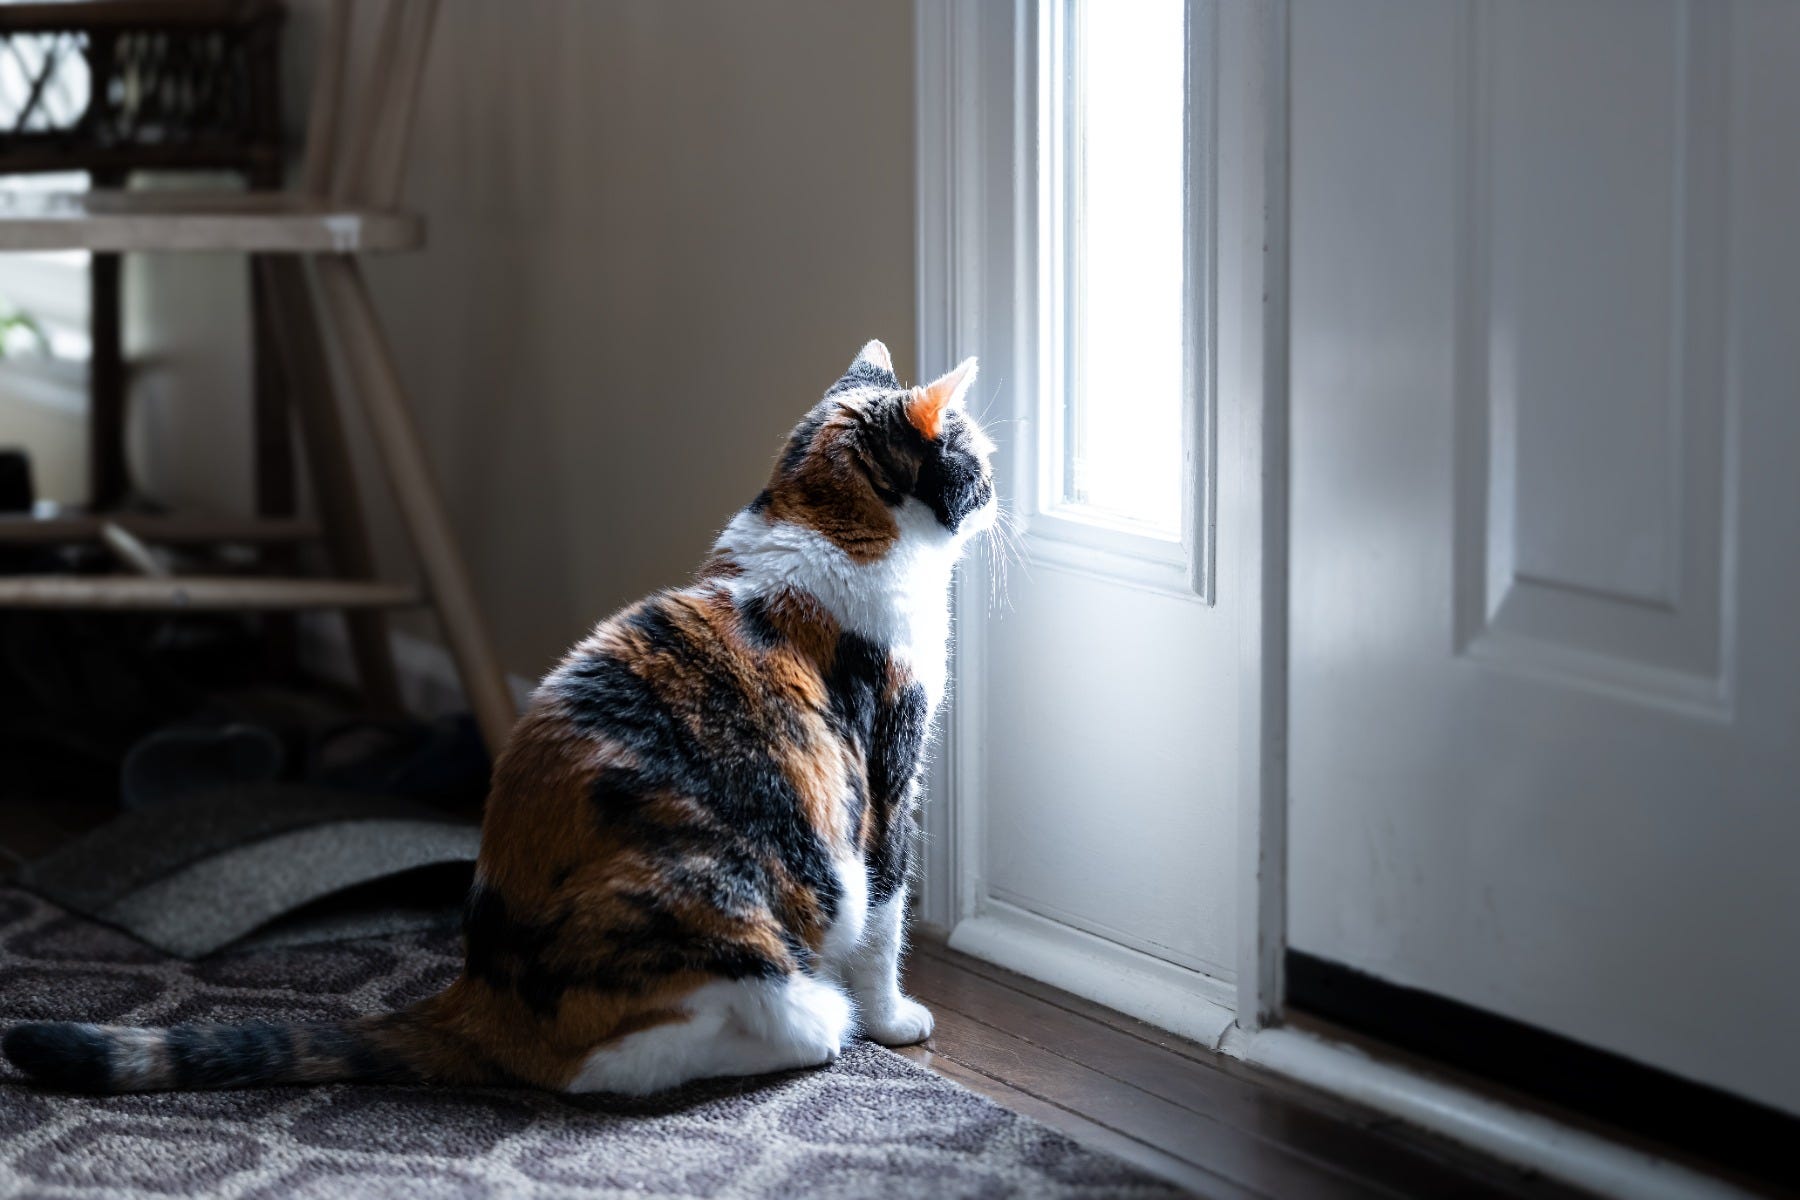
pixel 1465 1112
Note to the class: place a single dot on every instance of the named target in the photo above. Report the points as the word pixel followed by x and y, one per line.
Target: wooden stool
pixel 163 85
pixel 345 206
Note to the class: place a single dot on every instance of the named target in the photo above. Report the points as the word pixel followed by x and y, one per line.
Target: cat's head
pixel 875 463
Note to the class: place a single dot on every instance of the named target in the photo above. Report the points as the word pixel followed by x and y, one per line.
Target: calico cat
pixel 694 855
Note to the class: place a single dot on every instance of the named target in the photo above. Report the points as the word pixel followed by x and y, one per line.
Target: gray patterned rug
pixel 873 1125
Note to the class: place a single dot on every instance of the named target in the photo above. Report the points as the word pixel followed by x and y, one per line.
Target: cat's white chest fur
pixel 900 601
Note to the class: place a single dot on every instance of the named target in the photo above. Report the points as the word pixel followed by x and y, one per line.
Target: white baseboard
pixel 1175 998
pixel 1530 1139
pixel 429 685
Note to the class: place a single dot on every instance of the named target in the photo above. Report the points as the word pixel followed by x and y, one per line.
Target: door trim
pixel 978 220
pixel 951 93
pixel 1263 665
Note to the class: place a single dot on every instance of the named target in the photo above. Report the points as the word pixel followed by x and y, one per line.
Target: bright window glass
pixel 44 293
pixel 1119 446
pixel 47 72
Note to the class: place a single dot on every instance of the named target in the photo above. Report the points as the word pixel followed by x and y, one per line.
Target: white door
pixel 1545 615
pixel 1093 755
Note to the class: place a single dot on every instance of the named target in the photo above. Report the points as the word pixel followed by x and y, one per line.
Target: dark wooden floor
pixel 1173 1107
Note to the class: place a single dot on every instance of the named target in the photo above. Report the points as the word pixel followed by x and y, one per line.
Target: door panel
pixel 1113 808
pixel 1591 397
pixel 1544 704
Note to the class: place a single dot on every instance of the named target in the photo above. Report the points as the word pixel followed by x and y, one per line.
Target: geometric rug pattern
pixel 871 1125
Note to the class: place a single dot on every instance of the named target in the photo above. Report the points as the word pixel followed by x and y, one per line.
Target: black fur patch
pixel 758 625
pixel 211 1056
pixel 889 735
pixel 897 752
pixel 854 683
pixel 799 443
pixel 61 1054
pixel 951 479
pixel 508 954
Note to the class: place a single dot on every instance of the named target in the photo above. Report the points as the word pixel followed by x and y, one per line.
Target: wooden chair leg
pixel 108 477
pixel 109 474
pixel 273 470
pixel 352 316
pixel 269 412
pixel 299 349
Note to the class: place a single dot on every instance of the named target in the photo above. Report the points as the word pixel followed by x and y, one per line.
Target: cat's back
pixel 689 671
pixel 688 722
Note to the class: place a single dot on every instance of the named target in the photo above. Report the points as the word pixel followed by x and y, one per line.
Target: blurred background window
pixel 44 83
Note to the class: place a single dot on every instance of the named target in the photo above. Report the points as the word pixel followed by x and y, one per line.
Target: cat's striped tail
pixel 394 1048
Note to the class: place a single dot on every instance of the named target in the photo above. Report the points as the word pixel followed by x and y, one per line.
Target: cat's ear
pixel 928 404
pixel 874 354
pixel 873 367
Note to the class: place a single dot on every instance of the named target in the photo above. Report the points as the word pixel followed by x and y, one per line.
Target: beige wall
pixel 657 231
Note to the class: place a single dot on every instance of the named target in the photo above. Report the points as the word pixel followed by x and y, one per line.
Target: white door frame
pixel 1261 37
pixel 978 252
pixel 973 146
pixel 976 243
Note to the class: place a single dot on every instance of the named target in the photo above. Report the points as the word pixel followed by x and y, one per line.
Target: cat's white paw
pixel 897 1021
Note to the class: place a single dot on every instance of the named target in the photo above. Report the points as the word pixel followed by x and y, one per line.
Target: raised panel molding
pixel 1593 416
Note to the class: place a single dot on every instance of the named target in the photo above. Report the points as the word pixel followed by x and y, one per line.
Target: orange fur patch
pixel 824 493
pixel 926 409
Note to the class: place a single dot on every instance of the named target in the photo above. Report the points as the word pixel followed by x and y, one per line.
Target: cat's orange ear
pixel 928 404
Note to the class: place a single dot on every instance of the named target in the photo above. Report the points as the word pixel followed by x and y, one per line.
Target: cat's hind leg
pixel 739 1027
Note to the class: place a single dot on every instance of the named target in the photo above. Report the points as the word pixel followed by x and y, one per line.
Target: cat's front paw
pixel 897 1021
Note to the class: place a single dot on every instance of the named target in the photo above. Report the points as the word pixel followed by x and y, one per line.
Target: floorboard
pixel 1091 1133
pixel 1214 1122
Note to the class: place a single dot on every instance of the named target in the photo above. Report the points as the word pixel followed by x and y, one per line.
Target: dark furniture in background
pixel 160 701
pixel 171 85
pixel 305 242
